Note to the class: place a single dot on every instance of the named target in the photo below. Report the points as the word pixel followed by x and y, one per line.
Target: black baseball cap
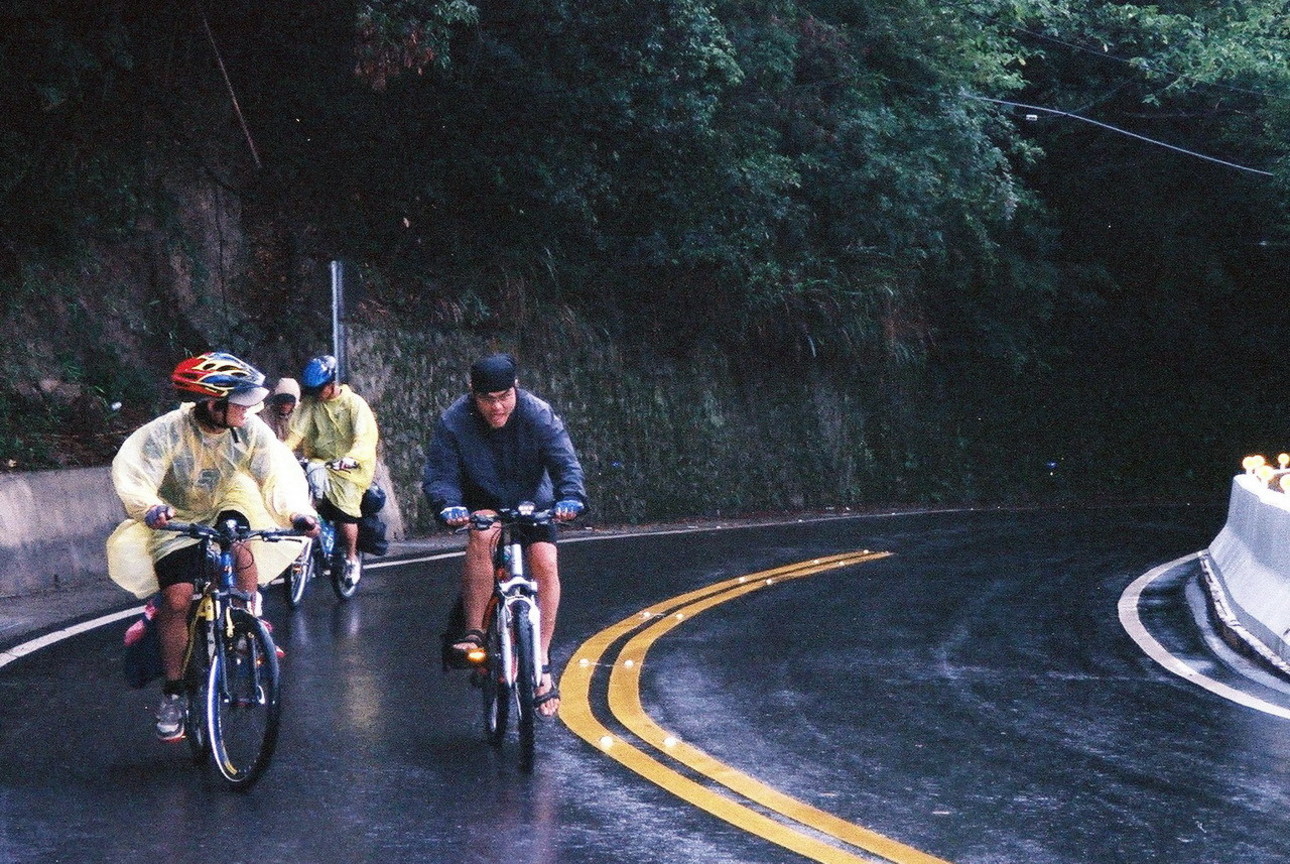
pixel 493 374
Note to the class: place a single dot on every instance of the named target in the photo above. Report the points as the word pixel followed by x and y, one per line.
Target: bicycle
pixel 231 668
pixel 320 556
pixel 509 664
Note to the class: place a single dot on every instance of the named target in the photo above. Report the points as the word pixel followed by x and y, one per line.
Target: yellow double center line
pixel 803 825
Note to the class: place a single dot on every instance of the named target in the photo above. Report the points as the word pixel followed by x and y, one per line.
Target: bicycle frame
pixel 213 593
pixel 516 594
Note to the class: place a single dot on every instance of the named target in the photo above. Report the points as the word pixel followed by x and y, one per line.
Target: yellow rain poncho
pixel 325 431
pixel 174 461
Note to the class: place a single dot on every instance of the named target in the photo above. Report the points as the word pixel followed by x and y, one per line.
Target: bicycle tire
pixel 526 668
pixel 196 679
pixel 344 588
pixel 495 685
pixel 299 573
pixel 243 701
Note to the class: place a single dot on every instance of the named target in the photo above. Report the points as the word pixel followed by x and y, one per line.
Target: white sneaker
pixel 170 718
pixel 353 571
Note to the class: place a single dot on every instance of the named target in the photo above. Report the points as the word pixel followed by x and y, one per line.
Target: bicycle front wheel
pixel 496 685
pixel 526 670
pixel 243 701
pixel 299 574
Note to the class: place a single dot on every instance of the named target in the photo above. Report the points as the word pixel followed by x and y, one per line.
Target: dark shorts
pixel 334 514
pixel 536 533
pixel 183 564
pixel 179 566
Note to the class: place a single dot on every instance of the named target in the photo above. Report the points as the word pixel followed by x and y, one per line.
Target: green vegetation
pixel 764 253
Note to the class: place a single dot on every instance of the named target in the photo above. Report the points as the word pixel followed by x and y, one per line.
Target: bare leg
pixel 172 628
pixel 349 533
pixel 477 577
pixel 544 566
pixel 246 572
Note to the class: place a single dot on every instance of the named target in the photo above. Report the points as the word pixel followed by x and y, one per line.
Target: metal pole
pixel 337 316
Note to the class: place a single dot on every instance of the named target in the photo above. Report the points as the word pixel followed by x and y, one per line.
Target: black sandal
pixel 543 698
pixel 456 657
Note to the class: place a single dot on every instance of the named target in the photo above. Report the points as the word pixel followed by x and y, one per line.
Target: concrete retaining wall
pixel 1248 568
pixel 54 526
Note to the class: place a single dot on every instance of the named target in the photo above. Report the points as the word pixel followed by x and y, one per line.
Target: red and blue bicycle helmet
pixel 319 372
pixel 217 375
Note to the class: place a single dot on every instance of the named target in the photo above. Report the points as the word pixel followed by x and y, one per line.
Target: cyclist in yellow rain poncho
pixel 207 458
pixel 336 431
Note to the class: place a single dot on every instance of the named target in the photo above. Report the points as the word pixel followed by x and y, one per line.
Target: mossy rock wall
pixel 657 438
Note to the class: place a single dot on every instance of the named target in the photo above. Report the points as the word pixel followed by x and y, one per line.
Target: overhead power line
pixel 1117 129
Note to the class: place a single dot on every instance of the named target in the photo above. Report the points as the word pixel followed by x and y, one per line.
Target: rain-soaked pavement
pixel 971 698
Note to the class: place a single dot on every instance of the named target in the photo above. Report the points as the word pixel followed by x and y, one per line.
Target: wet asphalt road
pixel 972 696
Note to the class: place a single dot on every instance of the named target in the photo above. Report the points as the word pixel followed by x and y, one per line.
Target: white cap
pixel 287 386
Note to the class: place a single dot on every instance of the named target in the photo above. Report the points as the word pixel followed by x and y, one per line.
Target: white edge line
pixel 1128 608
pixel 17 651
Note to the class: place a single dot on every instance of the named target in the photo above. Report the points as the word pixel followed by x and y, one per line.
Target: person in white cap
pixel 210 458
pixel 281 406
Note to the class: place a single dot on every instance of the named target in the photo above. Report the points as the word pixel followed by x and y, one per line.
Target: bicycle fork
pixel 519 614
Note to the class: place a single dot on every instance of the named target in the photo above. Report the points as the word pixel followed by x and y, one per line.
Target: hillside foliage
pixel 1034 240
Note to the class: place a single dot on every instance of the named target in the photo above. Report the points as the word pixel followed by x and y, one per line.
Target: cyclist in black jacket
pixel 496 447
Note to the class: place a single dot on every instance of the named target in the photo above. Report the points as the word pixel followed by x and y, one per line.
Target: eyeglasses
pixel 499 398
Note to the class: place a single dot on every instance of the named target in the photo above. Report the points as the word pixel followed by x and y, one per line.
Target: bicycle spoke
pixel 343 587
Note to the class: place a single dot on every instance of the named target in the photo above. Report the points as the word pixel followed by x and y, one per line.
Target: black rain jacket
pixel 469 464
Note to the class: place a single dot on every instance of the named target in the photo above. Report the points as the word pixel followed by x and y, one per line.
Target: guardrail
pixel 1247 566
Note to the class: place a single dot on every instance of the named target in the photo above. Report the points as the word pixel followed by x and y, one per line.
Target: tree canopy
pixel 964 199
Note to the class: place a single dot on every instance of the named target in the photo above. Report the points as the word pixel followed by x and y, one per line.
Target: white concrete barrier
pixel 54 527
pixel 1247 568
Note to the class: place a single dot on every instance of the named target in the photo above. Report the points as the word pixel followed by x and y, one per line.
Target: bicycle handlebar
pixel 222 534
pixel 509 516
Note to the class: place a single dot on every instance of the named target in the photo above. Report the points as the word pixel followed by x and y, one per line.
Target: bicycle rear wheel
pixel 496 682
pixel 526 669
pixel 243 701
pixel 344 587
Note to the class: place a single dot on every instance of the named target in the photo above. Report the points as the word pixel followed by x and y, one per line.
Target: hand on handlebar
pixel 307 525
pixel 158 515
pixel 454 517
pixel 345 463
pixel 567 509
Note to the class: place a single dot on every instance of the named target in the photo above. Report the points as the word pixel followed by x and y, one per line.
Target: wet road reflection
pixel 971 696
